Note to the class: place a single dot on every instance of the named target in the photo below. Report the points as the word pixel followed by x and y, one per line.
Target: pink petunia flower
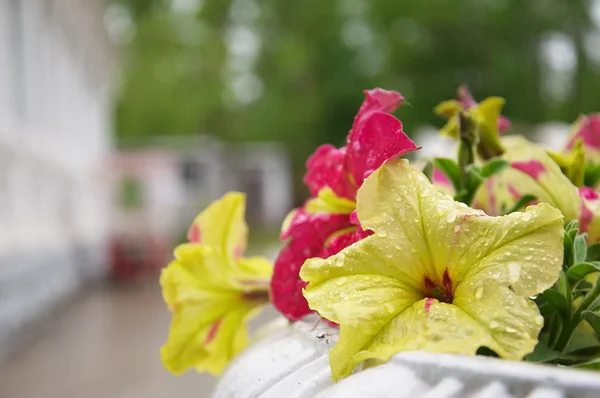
pixel 324 225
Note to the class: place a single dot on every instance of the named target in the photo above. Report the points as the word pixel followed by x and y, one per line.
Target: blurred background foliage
pixel 294 71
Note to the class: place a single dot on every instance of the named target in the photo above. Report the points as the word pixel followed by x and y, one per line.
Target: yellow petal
pixel 363 304
pixel 427 245
pixel 513 321
pixel 451 128
pixel 194 275
pixel 222 226
pixel 211 302
pixel 427 325
pixel 255 272
pixel 572 164
pixel 487 113
pixel 328 202
pixel 551 186
pixel 523 249
pixel 204 335
pixel 447 108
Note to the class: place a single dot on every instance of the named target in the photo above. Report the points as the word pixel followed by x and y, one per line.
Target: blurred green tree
pixel 293 71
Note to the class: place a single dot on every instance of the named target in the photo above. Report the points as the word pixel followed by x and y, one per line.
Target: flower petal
pixel 589 220
pixel 532 172
pixel 587 128
pixel 423 238
pixel 222 225
pixel 329 202
pixel 204 335
pixel 466 100
pixel 377 138
pixel 210 300
pixel 513 321
pixel 447 235
pixel 326 169
pixel 378 100
pixel 366 304
pixel 309 234
pixel 344 240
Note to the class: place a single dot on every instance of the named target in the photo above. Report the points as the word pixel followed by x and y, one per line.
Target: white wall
pixel 54 137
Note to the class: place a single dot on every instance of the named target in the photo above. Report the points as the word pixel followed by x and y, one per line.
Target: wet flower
pixel 589 218
pixel 534 172
pixel 324 225
pixel 485 115
pixel 212 290
pixel 587 128
pixel 572 163
pixel 436 275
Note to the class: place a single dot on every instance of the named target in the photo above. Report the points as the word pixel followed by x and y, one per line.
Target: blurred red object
pixel 133 259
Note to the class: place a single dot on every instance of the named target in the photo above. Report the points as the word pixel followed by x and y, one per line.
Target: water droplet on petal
pixel 341 281
pixel 479 292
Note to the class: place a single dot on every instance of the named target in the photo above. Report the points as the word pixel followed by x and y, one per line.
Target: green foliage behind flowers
pixel 571 333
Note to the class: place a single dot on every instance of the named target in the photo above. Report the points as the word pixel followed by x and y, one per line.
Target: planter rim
pixel 293 362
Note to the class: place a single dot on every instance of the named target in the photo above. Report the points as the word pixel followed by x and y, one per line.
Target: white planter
pixel 293 363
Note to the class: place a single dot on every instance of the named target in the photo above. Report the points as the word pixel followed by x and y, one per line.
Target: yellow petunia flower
pixel 212 291
pixel 435 276
pixel 532 172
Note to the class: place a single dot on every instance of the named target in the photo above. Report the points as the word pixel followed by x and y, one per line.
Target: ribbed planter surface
pixel 293 363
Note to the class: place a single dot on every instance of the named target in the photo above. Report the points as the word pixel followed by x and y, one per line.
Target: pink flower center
pixel 440 291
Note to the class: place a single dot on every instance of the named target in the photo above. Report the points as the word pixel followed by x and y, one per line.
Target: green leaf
pixel 568 253
pixel 572 225
pixel 593 318
pixel 558 301
pixel 493 166
pixel 474 180
pixel 580 249
pixel 450 168
pixel 578 271
pixel 594 364
pixel 591 174
pixel 593 252
pixel 522 202
pixel 584 353
pixel 543 353
pixel 487 352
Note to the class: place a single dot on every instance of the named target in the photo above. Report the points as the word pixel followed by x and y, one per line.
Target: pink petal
pixel 354 218
pixel 588 193
pixel 503 124
pixel 440 179
pixel 212 332
pixel 465 98
pixel 194 234
pixel 308 233
pixel 374 140
pixel 533 168
pixel 589 130
pixel 343 241
pixel 378 100
pixel 326 169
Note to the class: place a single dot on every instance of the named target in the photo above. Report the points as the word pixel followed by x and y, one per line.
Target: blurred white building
pixel 54 138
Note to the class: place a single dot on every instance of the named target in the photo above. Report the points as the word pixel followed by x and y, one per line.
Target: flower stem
pixel 569 327
pixel 587 301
